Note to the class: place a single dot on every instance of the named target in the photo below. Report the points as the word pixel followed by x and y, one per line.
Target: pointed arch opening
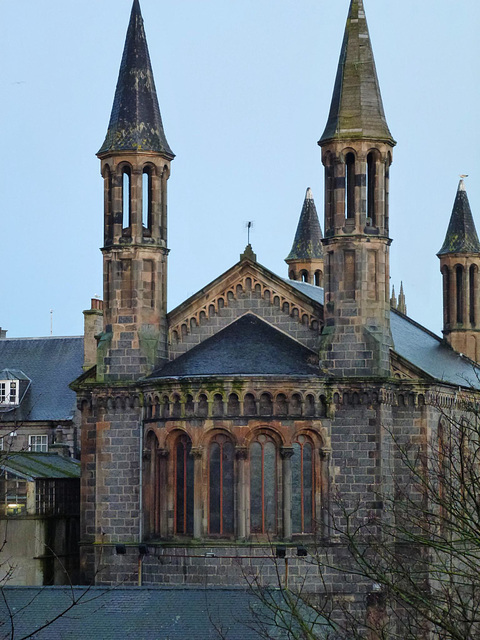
pixel 108 205
pixel 147 197
pixel 460 292
pixel 446 295
pixel 371 183
pixel 473 282
pixel 350 186
pixel 126 198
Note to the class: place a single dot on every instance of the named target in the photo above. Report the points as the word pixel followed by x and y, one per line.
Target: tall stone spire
pixel 357 153
pixel 305 259
pixel 356 111
pixel 460 267
pixel 135 122
pixel 461 233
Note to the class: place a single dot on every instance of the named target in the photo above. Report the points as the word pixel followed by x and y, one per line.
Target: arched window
pixel 263 485
pixel 281 405
pixel 309 405
pixel 302 486
pixel 304 275
pixel 350 186
pixel 233 405
pixel 266 406
pixel 176 407
pixel 218 405
pixel 202 406
pixel 296 405
pixel 108 205
pixel 473 274
pixel 165 407
pixel 291 275
pixel 249 405
pixel 126 197
pixel 318 279
pixel 371 171
pixel 459 283
pixel 446 295
pixel 220 486
pixel 183 486
pixel 147 198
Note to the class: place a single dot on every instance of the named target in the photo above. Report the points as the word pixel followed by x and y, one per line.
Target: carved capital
pixel 163 453
pixel 196 453
pixel 286 452
pixel 241 453
pixel 325 453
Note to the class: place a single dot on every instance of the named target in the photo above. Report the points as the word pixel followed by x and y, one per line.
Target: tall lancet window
pixel 459 283
pixel 350 186
pixel 473 286
pixel 147 198
pixel 220 486
pixel 371 179
pixel 183 486
pixel 127 197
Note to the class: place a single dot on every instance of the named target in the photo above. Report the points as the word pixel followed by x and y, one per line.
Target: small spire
pixel 357 108
pixel 461 233
pixel 393 299
pixel 402 306
pixel 136 123
pixel 308 238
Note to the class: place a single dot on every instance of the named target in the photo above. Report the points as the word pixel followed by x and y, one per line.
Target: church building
pixel 215 436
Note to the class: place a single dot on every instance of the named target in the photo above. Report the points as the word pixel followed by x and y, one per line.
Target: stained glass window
pixel 221 487
pixel 263 485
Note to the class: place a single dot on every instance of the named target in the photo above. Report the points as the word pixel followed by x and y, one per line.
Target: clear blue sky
pixel 244 89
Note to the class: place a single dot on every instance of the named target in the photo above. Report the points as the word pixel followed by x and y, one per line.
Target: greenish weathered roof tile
pixel 307 244
pixel 356 111
pixel 136 123
pixel 461 233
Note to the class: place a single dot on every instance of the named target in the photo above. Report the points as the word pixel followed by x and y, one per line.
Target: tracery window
pixel 221 486
pixel 263 485
pixel 302 486
pixel 183 486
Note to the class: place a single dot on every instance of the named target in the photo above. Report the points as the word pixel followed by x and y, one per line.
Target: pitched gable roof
pixel 134 613
pixel 248 346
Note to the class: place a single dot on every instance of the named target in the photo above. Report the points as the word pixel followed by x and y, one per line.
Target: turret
pixel 305 260
pixel 460 264
pixel 357 153
pixel 135 165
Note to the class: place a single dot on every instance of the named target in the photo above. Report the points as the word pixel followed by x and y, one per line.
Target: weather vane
pixel 463 175
pixel 249 225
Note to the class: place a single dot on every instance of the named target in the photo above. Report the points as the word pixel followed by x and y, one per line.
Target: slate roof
pixel 51 364
pixel 32 465
pixel 248 346
pixel 314 293
pixel 461 233
pixel 135 122
pixel 356 110
pixel 134 613
pixel 428 352
pixel 308 238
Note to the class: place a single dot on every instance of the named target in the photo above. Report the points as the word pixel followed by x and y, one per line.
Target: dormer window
pixel 9 392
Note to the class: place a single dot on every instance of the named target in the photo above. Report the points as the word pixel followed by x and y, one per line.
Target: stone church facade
pixel 216 432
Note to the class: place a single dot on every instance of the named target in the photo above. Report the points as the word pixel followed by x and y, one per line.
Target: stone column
pixel 241 455
pixel 287 453
pixel 197 455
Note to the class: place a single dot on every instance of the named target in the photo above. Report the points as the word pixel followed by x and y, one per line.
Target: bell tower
pixel 460 264
pixel 356 153
pixel 135 165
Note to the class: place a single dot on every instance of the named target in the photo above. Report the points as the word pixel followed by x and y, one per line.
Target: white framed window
pixel 8 392
pixel 38 443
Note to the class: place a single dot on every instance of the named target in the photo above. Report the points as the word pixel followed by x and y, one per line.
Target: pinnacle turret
pixel 135 122
pixel 461 233
pixel 356 111
pixel 307 244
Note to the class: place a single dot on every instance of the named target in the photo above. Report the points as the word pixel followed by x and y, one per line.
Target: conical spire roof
pixel 308 238
pixel 136 123
pixel 461 233
pixel 357 109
